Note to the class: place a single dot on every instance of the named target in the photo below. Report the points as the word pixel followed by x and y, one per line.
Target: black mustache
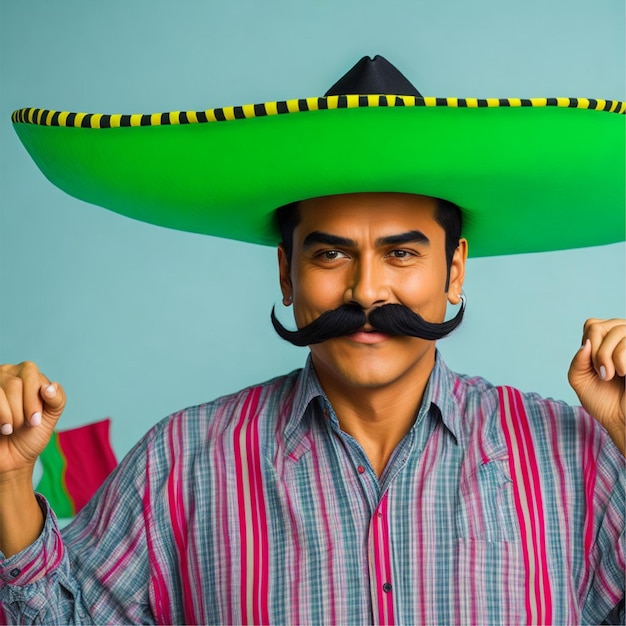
pixel 392 319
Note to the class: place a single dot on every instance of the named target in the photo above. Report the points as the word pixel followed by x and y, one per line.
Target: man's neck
pixel 379 417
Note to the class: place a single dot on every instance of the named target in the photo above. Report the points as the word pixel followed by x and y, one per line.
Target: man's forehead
pixel 366 198
pixel 374 208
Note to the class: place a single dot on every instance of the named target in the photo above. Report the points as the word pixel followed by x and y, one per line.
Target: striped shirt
pixel 496 508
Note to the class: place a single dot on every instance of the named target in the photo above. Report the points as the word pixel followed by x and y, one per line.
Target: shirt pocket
pixel 486 509
pixel 490 582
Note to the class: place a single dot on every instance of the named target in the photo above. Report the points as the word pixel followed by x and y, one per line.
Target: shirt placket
pixel 379 541
pixel 379 551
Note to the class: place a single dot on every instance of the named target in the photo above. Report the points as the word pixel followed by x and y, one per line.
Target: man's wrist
pixel 21 517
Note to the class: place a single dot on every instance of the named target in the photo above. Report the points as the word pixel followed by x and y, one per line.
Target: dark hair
pixel 447 214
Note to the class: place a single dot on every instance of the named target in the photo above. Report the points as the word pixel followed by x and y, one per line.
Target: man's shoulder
pixel 264 397
pixel 474 389
pixel 197 439
pixel 550 425
pixel 198 429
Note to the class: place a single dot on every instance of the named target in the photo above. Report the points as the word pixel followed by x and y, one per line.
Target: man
pixel 373 486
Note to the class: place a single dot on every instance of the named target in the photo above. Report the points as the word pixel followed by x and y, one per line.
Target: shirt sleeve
pixel 583 476
pixel 94 571
pixel 608 555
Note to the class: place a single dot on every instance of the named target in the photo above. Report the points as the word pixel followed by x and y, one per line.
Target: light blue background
pixel 137 321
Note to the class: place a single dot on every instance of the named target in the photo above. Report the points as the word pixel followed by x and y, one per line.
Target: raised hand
pixel 30 406
pixel 597 375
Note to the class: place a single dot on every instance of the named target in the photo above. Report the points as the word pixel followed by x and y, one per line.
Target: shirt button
pixel 387 587
pixel 361 469
pixel 14 573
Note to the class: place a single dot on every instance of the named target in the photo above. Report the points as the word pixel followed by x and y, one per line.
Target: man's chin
pixel 352 363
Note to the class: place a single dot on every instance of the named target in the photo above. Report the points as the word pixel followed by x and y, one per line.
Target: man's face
pixel 370 249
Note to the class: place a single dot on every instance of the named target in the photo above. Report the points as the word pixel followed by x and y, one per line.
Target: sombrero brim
pixel 530 175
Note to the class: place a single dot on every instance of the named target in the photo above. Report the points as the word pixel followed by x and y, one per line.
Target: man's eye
pixel 401 254
pixel 330 255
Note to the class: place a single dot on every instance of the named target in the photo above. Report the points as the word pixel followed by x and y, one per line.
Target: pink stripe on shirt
pixel 162 603
pixel 528 505
pixel 253 530
pixel 178 517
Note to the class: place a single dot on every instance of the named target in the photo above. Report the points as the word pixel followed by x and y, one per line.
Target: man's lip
pixel 368 336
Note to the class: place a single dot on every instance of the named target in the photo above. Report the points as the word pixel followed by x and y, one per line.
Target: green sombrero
pixel 530 174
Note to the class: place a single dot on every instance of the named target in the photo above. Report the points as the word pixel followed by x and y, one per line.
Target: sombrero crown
pixel 530 174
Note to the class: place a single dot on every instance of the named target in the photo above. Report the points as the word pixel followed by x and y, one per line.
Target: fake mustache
pixel 392 319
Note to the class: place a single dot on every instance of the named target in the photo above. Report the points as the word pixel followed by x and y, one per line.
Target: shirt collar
pixel 307 390
pixel 439 392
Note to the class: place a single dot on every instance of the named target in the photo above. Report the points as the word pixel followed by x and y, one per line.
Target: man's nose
pixel 368 285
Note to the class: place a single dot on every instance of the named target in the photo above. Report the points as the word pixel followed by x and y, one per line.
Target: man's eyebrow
pixel 317 237
pixel 411 236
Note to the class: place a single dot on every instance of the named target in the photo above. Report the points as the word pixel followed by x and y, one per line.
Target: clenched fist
pixel 30 406
pixel 597 375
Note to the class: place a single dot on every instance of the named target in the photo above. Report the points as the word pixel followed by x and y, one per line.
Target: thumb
pixel 53 399
pixel 581 370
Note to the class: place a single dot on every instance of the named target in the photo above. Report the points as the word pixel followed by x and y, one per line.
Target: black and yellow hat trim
pixel 47 117
pixel 531 174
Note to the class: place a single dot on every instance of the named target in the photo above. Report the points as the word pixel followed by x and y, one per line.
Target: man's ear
pixel 284 273
pixel 457 272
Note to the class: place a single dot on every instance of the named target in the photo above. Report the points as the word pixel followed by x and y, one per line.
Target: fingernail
pixel 6 429
pixel 50 391
pixel 35 419
pixel 602 372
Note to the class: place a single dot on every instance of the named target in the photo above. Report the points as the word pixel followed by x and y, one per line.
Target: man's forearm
pixel 21 518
